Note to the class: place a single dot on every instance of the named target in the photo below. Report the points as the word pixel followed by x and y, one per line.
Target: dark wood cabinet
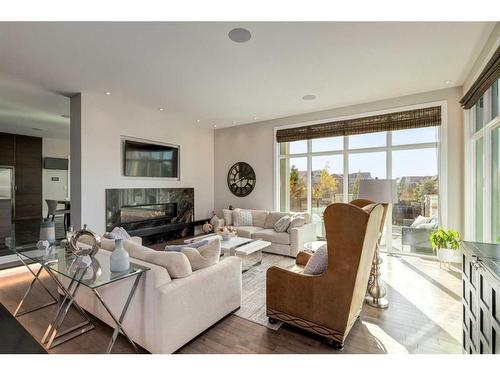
pixel 481 298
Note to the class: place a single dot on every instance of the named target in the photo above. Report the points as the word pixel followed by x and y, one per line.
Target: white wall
pixel 254 143
pixel 55 148
pixel 102 120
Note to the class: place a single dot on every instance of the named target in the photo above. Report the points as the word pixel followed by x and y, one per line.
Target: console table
pixel 69 277
pixel 481 298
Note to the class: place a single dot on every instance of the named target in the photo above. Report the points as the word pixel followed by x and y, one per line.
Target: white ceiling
pixel 193 69
pixel 28 110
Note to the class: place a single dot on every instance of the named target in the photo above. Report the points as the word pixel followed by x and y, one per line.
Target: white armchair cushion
pixel 272 236
pixel 259 218
pixel 204 256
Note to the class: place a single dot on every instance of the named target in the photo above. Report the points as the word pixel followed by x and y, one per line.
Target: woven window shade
pixel 488 76
pixel 417 118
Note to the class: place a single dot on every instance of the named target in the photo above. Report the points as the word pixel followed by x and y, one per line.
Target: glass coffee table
pixel 64 269
pixel 248 250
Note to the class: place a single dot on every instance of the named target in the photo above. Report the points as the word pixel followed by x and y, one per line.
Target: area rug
pixel 253 299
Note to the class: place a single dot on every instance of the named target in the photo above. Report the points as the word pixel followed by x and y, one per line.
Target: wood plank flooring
pixel 424 317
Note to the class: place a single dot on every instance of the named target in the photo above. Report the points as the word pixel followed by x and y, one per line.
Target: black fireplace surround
pixel 155 214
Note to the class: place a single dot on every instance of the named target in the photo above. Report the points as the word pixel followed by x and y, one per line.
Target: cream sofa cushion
pixel 272 236
pixel 242 218
pixel 204 256
pixel 227 216
pixel 247 231
pixel 272 218
pixel 259 218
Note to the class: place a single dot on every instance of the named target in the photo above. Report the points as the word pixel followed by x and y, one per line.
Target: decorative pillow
pixel 204 256
pixel 426 226
pixel 272 218
pixel 282 224
pixel 194 245
pixel 242 218
pixel 228 217
pixel 318 262
pixel 259 218
pixel 296 221
pixel 420 220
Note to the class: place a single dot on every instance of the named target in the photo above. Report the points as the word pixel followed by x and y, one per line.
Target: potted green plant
pixel 446 243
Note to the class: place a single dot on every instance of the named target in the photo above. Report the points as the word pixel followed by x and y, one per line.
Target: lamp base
pixel 379 303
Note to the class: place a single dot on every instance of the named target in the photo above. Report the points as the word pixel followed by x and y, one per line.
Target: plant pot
pixel 449 255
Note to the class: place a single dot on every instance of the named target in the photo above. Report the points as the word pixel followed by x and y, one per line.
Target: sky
pixel 421 162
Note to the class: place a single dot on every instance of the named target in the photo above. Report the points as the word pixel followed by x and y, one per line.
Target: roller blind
pixel 416 118
pixel 488 76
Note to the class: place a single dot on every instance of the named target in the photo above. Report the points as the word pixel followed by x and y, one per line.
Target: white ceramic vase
pixel 119 260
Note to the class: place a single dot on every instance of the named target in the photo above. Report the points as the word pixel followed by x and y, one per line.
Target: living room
pixel 246 187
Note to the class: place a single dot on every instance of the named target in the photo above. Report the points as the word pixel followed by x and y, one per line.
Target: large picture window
pixel 311 174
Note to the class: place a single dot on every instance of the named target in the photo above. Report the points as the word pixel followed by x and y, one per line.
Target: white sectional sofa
pixel 283 243
pixel 172 304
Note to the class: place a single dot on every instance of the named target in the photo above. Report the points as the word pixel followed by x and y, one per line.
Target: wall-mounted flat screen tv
pixel 150 160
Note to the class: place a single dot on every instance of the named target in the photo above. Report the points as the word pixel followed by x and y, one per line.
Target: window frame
pixel 471 136
pixel 441 145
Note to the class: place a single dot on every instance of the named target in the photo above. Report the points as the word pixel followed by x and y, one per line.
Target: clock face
pixel 241 179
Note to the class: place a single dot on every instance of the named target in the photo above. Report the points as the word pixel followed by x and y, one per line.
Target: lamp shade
pixel 380 191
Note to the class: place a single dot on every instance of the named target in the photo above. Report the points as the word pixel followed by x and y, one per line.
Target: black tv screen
pixel 150 160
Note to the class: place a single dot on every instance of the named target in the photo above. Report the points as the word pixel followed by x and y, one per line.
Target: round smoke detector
pixel 239 35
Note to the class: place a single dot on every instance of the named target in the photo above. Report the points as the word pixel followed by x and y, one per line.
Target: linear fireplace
pixel 156 215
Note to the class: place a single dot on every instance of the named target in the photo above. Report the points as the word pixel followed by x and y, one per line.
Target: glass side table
pixel 313 245
pixel 64 271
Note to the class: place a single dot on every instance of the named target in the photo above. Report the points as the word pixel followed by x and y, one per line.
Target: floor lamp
pixel 385 192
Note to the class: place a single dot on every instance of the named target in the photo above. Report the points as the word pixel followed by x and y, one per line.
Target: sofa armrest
pixel 302 258
pixel 300 235
pixel 136 239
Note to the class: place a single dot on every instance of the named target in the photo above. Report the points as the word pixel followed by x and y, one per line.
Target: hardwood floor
pixel 424 317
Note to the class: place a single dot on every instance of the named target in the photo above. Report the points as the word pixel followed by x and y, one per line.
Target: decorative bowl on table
pixel 226 232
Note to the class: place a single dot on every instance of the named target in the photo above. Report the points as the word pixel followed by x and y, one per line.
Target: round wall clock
pixel 241 179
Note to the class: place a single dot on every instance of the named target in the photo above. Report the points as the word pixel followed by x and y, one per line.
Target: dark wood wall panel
pixel 7 149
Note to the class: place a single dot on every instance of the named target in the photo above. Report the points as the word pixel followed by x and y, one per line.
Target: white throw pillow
pixel 242 218
pixel 204 256
pixel 272 218
pixel 296 221
pixel 282 224
pixel 420 220
pixel 318 262
pixel 228 217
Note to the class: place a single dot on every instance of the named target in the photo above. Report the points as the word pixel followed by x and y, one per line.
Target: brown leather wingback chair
pixel 329 304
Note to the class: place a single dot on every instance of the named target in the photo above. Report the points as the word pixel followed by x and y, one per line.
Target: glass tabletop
pixel 97 274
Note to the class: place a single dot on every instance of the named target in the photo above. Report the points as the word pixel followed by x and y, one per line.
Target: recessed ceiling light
pixel 162 109
pixel 215 126
pixel 448 82
pixel 255 117
pixel 309 97
pixel 239 35
pixel 197 120
pixel 108 93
